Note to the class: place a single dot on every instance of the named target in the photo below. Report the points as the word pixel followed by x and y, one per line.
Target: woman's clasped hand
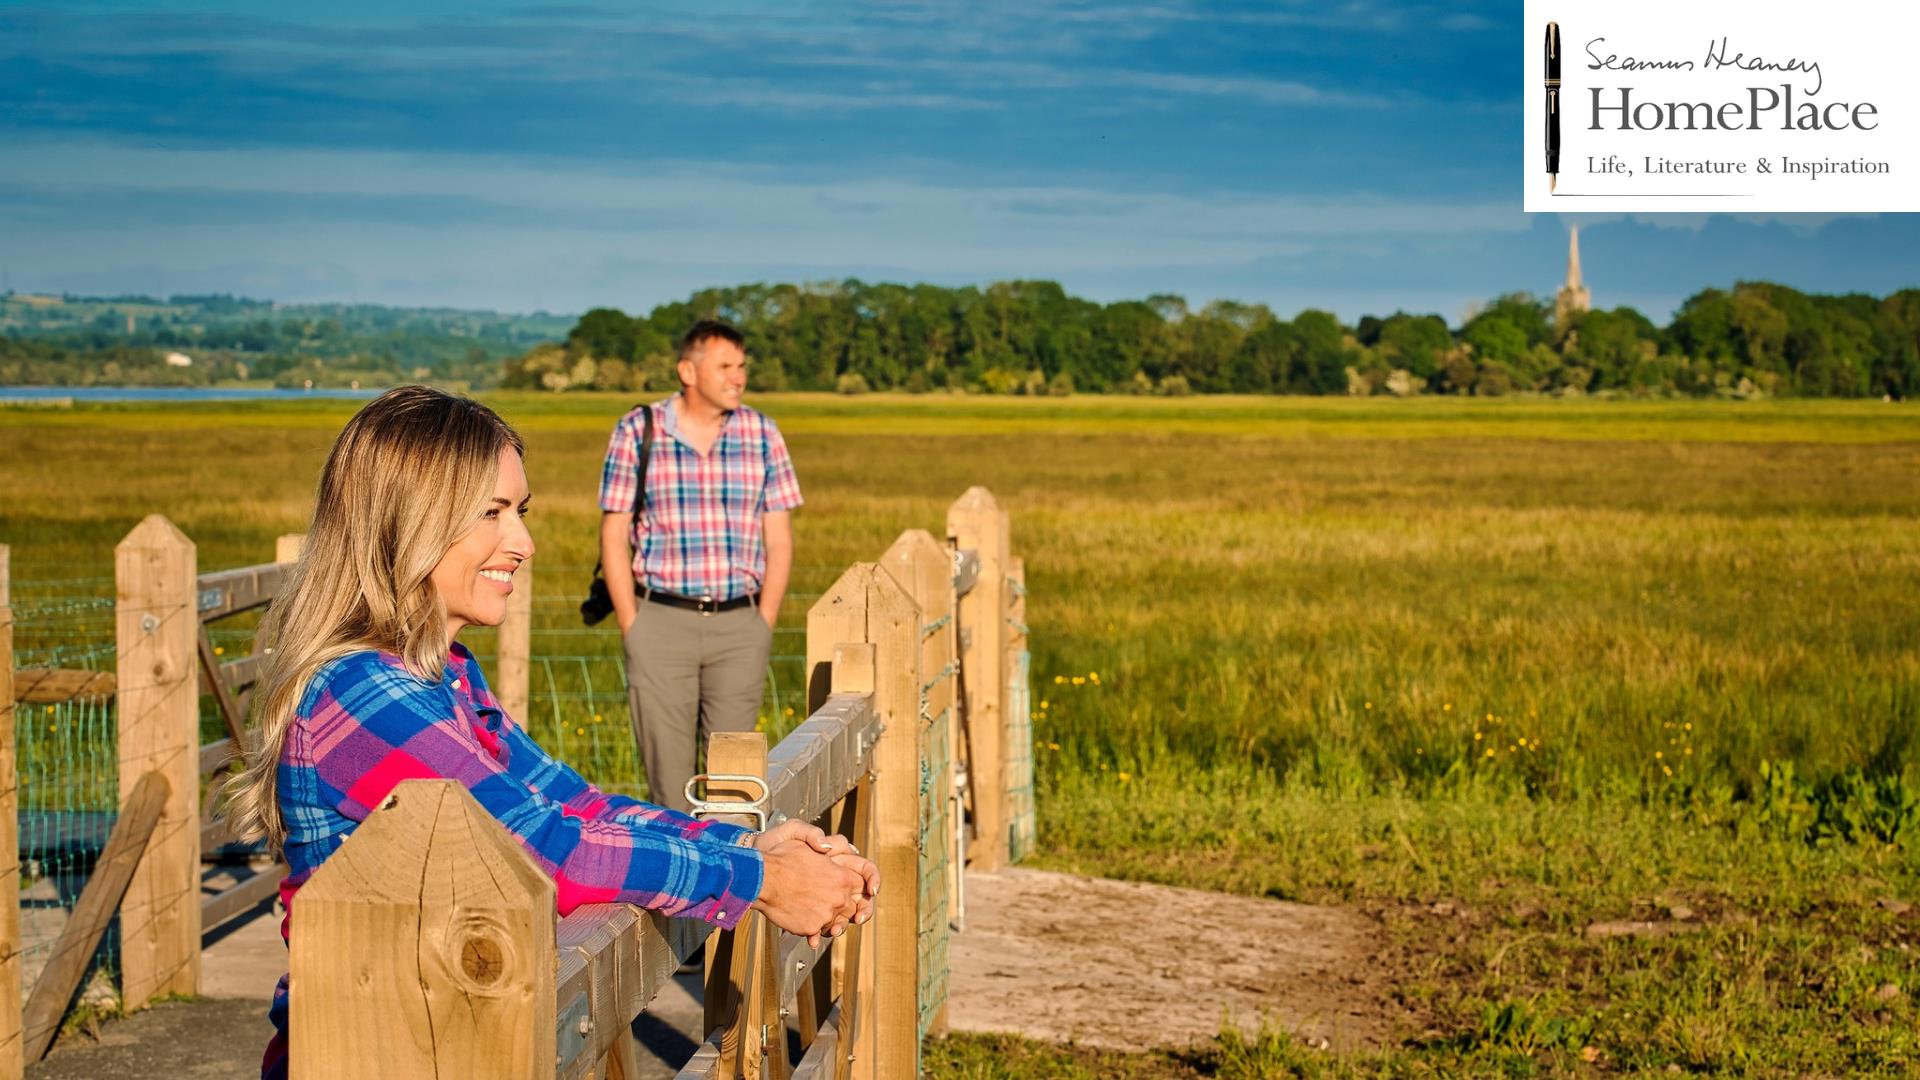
pixel 816 884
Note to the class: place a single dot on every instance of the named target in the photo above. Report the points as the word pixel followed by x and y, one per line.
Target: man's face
pixel 716 374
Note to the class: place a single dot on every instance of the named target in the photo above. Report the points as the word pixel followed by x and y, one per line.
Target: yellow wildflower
pixel 1448 707
pixel 1476 736
pixel 1369 704
pixel 579 731
pixel 1125 776
pixel 1657 755
pixel 1079 680
pixel 597 718
pixel 219 650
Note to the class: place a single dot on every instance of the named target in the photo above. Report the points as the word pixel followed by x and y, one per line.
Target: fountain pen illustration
pixel 1553 106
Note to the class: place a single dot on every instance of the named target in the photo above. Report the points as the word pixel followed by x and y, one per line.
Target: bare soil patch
pixel 1126 966
pixel 176 1041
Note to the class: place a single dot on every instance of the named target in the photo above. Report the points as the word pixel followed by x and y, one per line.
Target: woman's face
pixel 475 576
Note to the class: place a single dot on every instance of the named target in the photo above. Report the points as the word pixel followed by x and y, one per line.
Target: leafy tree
pixel 1607 345
pixel 1703 328
pixel 604 332
pixel 1413 342
pixel 1323 354
pixel 1495 339
pixel 1527 314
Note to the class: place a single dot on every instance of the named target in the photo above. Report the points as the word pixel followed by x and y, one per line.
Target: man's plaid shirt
pixel 700 532
pixel 365 723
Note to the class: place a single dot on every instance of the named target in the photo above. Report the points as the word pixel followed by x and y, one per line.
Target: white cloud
pixel 687 223
pixel 858 216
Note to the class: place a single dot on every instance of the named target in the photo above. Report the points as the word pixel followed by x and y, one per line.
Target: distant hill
pixel 84 340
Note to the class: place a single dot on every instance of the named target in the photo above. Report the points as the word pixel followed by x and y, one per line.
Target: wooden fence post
pixel 157 633
pixel 11 1061
pixel 1022 829
pixel 737 996
pixel 867 605
pixel 425 947
pixel 515 663
pixel 922 566
pixel 106 886
pixel 975 522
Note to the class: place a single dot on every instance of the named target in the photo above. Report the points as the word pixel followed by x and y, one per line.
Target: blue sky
pixel 1353 155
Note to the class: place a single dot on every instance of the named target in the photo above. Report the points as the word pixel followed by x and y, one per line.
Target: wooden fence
pixel 431 942
pixel 11 1053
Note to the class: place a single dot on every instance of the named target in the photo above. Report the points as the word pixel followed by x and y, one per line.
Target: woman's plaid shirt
pixel 700 532
pixel 365 723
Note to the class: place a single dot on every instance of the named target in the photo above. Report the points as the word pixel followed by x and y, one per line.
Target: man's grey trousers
pixel 689 675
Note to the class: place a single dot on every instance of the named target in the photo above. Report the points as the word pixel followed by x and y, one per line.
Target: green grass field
pixel 1535 664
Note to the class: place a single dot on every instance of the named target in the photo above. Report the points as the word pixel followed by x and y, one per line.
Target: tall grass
pixel 1379 593
pixel 1553 661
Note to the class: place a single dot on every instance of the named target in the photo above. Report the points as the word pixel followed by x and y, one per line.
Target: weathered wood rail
pixel 430 945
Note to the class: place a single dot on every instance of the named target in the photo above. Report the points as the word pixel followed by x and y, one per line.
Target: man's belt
pixel 705 605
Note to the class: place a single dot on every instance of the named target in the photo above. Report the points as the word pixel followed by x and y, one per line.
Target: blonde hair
pixel 409 475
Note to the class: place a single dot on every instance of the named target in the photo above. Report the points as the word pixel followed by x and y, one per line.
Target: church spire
pixel 1573 297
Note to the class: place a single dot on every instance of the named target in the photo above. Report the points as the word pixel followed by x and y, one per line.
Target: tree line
pixel 125 340
pixel 1031 337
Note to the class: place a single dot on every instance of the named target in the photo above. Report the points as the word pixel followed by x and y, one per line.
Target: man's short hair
pixel 709 330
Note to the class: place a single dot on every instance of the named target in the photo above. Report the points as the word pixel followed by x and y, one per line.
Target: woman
pixel 417 532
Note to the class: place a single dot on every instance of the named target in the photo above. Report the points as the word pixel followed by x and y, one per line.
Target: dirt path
pixel 1050 956
pixel 1124 966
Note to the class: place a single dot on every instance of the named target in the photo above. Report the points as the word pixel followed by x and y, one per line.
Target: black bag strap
pixel 646 454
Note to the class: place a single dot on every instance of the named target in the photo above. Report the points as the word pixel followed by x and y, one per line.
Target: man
pixel 697 579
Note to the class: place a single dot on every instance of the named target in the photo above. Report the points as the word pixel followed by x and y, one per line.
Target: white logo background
pixel 1865 52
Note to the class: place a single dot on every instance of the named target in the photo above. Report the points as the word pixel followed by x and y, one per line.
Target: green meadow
pixel 1490 671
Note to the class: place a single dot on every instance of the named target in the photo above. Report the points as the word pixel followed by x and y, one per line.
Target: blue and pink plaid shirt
pixel 365 723
pixel 700 532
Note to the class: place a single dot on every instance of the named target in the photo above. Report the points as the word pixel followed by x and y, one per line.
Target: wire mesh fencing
pixel 66 758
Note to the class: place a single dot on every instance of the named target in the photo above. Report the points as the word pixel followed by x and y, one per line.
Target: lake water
pixel 169 393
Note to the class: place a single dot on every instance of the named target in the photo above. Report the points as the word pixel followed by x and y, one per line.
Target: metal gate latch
pixel 709 808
